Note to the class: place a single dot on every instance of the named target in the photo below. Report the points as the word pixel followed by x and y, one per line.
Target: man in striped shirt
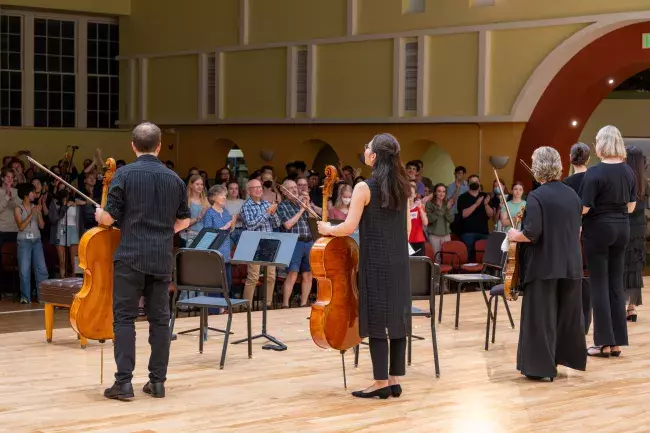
pixel 149 203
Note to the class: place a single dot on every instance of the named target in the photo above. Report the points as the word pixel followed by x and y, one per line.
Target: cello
pixel 91 312
pixel 334 320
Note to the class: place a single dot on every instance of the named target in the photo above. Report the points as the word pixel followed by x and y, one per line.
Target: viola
pixel 91 313
pixel 334 321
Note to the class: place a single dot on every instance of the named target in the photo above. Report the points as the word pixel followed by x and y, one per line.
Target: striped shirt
pixel 145 199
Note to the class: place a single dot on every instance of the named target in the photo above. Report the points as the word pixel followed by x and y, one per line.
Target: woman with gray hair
pixel 609 195
pixel 551 330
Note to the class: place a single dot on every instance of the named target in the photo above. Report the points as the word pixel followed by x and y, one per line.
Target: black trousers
pixel 551 332
pixel 586 303
pixel 128 286
pixel 605 245
pixel 380 357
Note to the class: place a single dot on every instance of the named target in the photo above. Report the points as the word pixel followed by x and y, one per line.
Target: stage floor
pixel 55 387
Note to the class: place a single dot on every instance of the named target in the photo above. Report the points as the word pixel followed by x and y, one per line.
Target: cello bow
pixel 42 167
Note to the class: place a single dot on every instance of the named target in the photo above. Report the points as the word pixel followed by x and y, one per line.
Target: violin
pixel 511 271
pixel 334 320
pixel 511 268
pixel 91 313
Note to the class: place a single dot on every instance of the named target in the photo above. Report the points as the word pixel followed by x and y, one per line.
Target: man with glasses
pixel 259 215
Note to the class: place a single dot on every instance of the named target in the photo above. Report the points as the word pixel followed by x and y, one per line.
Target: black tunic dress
pixel 384 278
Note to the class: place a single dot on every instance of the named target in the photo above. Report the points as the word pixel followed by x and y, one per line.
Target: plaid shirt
pixel 287 210
pixel 256 219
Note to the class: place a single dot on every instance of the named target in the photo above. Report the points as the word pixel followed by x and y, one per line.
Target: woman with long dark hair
pixel 608 195
pixel 635 252
pixel 379 208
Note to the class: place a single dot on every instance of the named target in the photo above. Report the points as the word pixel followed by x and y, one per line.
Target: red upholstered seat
pixel 452 253
pixel 445 269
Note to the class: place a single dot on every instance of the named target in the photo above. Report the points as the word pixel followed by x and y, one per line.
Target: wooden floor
pixel 55 387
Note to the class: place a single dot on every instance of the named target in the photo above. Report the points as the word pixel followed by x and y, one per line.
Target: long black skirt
pixel 552 330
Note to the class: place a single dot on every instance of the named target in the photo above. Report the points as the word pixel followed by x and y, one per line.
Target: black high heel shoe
pixel 631 315
pixel 396 390
pixel 382 393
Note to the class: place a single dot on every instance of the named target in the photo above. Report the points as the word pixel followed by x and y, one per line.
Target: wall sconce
pixel 499 162
pixel 266 155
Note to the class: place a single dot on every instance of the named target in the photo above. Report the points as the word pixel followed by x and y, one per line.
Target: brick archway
pixel 579 87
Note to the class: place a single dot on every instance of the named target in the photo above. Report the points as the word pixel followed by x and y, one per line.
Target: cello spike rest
pixel 345 382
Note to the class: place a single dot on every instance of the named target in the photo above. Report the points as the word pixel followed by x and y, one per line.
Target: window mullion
pixel 28 69
pixel 81 98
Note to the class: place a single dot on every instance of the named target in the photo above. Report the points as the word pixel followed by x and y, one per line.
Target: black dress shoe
pixel 120 391
pixel 396 390
pixel 382 393
pixel 155 389
pixel 539 378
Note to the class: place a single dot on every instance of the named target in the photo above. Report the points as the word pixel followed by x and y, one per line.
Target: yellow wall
pixel 355 80
pixel 630 116
pixel 515 55
pixel 384 16
pixel 156 26
pixel 295 20
pixel 206 147
pixel 48 145
pixel 173 89
pixel 255 83
pixel 453 75
pixel 103 7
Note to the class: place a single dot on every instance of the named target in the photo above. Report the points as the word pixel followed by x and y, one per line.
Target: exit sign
pixel 645 44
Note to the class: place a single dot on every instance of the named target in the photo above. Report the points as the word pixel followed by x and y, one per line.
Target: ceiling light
pixel 574 123
pixel 611 81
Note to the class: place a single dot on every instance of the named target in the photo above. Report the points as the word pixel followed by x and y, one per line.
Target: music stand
pixel 207 239
pixel 248 252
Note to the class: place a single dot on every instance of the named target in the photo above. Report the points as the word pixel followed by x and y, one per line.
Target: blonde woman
pixel 609 195
pixel 198 204
pixel 340 209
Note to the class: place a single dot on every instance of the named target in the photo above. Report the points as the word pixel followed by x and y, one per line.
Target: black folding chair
pixel 496 292
pixel 205 271
pixel 425 279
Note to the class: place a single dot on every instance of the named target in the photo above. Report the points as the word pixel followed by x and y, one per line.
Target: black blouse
pixel 552 223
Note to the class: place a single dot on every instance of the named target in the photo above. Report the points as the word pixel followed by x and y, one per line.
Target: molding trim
pixel 398 77
pixel 203 86
pixel 324 121
pixel 133 98
pixel 144 89
pixel 484 72
pixel 244 23
pixel 292 69
pixel 81 79
pixel 584 19
pixel 311 82
pixel 423 76
pixel 218 88
pixel 539 80
pixel 352 17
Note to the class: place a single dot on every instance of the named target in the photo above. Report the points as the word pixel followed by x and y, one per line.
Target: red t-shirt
pixel 417 231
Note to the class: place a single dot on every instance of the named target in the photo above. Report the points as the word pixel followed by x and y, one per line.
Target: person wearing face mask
pixel 340 209
pixel 475 211
pixel 270 192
